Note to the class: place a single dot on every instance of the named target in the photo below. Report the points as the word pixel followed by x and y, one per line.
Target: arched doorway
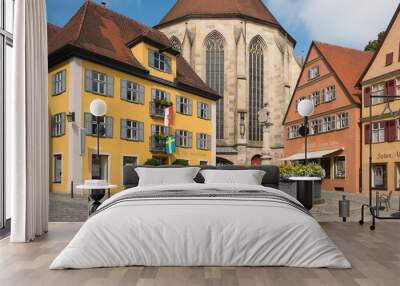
pixel 256 160
pixel 223 162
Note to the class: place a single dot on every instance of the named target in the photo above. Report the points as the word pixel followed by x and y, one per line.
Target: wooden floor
pixel 375 257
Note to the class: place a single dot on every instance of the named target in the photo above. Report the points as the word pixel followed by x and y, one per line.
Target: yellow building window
pixel 159 62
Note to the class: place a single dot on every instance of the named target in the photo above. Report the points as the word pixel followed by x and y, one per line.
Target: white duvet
pixel 200 232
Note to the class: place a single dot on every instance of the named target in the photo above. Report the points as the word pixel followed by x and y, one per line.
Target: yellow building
pixel 100 54
pixel 382 78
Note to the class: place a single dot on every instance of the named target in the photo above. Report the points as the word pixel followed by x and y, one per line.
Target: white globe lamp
pixel 98 108
pixel 305 107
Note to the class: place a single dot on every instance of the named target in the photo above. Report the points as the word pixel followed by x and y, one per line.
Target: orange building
pixel 328 78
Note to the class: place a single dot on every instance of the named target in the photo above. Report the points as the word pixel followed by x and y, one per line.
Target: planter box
pixel 290 188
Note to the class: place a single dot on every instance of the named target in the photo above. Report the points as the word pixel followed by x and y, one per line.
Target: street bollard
pixel 344 208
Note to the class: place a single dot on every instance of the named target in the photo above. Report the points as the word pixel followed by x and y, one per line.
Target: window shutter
pixel 153 93
pixel 190 139
pixel 209 112
pixel 53 84
pixel 178 104
pixel 190 108
pixel 367 134
pixel 53 129
pixel 123 129
pixel 391 89
pixel 64 80
pixel 88 123
pixel 151 58
pixel 109 127
pixel 389 59
pixel 140 93
pixel 167 96
pixel 153 129
pixel 168 65
pixel 367 96
pixel 140 126
pixel 390 132
pixel 199 109
pixel 198 140
pixel 88 80
pixel 177 138
pixel 208 142
pixel 62 124
pixel 110 85
pixel 124 89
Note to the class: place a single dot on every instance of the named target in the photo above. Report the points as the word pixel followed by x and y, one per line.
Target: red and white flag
pixel 168 116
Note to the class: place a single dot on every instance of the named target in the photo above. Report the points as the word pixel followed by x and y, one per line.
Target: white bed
pixel 209 230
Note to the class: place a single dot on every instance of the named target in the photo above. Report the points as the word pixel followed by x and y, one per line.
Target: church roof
pixel 247 9
pixel 100 34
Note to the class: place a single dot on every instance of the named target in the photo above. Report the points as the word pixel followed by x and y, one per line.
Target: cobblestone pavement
pixel 65 209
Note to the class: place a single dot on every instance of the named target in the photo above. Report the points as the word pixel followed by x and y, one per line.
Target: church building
pixel 241 51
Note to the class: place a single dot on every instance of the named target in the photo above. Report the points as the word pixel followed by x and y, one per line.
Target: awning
pixel 312 155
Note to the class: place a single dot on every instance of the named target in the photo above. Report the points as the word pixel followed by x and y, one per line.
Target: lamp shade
pixel 305 107
pixel 98 107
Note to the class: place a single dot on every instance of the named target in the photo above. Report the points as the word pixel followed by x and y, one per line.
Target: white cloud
pixel 344 22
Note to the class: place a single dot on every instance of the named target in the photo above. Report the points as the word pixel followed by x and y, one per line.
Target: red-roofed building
pixel 100 54
pixel 328 78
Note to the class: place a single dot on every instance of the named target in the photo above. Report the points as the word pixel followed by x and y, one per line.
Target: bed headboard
pixel 270 179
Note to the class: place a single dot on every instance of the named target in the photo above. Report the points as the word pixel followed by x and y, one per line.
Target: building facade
pixel 134 70
pixel 328 78
pixel 242 52
pixel 382 78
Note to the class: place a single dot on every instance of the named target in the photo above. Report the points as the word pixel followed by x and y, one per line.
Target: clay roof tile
pixel 347 63
pixel 101 31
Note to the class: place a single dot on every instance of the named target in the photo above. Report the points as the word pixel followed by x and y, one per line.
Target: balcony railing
pixel 157 143
pixel 156 110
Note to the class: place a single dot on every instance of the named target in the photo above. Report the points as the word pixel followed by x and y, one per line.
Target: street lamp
pixel 98 108
pixel 305 109
pixel 305 184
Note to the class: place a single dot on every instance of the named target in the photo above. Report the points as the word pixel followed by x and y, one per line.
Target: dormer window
pixel 313 72
pixel 159 61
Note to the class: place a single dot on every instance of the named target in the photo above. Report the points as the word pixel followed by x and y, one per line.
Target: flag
pixel 170 145
pixel 168 116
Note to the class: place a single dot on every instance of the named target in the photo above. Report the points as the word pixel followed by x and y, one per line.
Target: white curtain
pixel 27 124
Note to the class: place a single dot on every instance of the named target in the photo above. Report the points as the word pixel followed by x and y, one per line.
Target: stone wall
pixel 281 71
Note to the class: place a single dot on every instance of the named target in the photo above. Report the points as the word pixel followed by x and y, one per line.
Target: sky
pixel 350 23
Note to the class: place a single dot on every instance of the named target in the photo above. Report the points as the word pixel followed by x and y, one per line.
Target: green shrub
pixel 181 162
pixel 300 170
pixel 152 162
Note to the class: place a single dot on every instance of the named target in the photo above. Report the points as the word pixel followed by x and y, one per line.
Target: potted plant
pixel 180 162
pixel 159 138
pixel 299 170
pixel 152 162
pixel 162 103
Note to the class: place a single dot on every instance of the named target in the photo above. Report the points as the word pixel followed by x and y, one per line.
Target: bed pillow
pixel 166 176
pixel 246 177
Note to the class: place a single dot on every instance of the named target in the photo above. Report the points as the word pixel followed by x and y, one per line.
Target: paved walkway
pixel 65 209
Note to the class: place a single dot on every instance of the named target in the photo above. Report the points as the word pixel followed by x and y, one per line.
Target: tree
pixel 373 46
